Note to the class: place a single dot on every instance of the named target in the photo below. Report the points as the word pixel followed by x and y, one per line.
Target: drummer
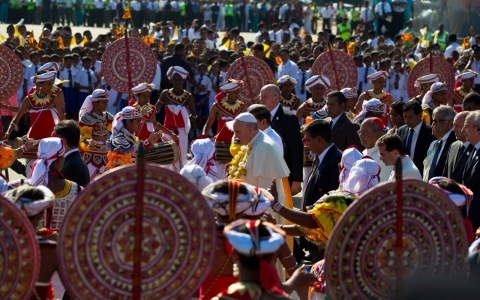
pixel 178 103
pixel 123 141
pixel 425 82
pixel 436 96
pixel 317 86
pixel 287 98
pixel 95 123
pixel 43 106
pixel 378 81
pixel 226 108
pixel 466 78
pixel 142 94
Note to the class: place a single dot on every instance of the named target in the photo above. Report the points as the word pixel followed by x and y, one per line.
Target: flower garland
pixel 237 165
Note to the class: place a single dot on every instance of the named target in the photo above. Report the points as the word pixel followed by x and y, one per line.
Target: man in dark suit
pixel 286 125
pixel 344 132
pixel 415 134
pixel 471 174
pixel 74 168
pixel 459 151
pixel 442 129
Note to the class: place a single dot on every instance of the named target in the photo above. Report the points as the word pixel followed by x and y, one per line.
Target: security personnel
pixel 440 37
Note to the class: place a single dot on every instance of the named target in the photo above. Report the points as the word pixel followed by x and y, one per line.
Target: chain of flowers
pixel 237 165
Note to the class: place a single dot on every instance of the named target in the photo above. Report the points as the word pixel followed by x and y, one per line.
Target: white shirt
pixel 334 120
pixel 206 82
pixel 275 137
pixel 416 131
pixel 366 14
pixel 97 67
pixel 453 46
pixel 70 152
pixel 64 76
pixel 99 4
pixel 158 77
pixel 383 8
pixel 82 79
pixel 327 12
pixel 428 161
pixel 399 9
pixel 257 35
pixel 289 68
pixel 385 171
pixel 150 5
pixel 475 66
pixel 274 111
pixel 298 86
pixel 136 6
pixel 409 170
pixel 389 42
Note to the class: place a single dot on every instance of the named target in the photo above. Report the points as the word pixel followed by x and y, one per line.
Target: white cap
pixel 286 78
pixel 244 117
pixel 466 75
pixel 374 76
pixel 143 87
pixel 317 79
pixel 426 79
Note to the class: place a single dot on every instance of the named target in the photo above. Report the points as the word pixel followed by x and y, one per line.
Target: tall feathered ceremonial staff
pixel 128 15
pixel 399 229
pixel 335 72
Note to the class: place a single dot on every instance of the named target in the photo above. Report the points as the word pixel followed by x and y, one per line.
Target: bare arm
pixel 58 106
pixel 299 113
pixel 161 100
pixel 191 106
pixel 298 217
pixel 211 118
pixel 358 106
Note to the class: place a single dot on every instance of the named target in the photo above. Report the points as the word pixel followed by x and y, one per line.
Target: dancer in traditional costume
pixel 178 102
pixel 142 94
pixel 424 83
pixel 370 108
pixel 436 96
pixel 56 90
pixel 95 123
pixel 225 109
pixel 352 96
pixel 317 86
pixel 123 141
pixel 378 81
pixel 466 78
pixel 43 107
pixel 33 201
pixel 287 98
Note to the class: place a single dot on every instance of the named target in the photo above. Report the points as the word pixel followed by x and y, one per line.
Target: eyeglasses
pixel 364 133
pixel 439 121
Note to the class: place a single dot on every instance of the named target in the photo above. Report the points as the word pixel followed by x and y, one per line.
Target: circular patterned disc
pixel 114 64
pixel 345 65
pixel 97 237
pixel 361 250
pixel 11 75
pixel 439 66
pixel 259 75
pixel 19 253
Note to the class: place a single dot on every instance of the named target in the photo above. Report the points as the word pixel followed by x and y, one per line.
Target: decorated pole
pixel 431 61
pixel 337 82
pixel 399 229
pixel 137 250
pixel 248 79
pixel 129 67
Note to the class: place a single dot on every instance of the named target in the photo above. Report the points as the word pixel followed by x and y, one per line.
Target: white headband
pixel 286 78
pixel 466 75
pixel 349 157
pixel 127 113
pixel 365 174
pixel 43 77
pixel 435 88
pixel 374 76
pixel 264 202
pixel 142 87
pixel 372 105
pixel 426 79
pixel 49 150
pixel 87 105
pixel 220 203
pixel 349 92
pixel 28 206
pixel 232 85
pixel 317 79
pixel 51 66
pixel 176 70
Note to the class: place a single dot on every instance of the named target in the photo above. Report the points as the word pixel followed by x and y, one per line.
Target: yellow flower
pixel 234 162
pixel 240 153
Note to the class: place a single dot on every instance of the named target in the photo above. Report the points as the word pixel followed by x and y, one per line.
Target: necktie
pixel 409 141
pixel 93 68
pixel 70 78
pixel 199 84
pixel 383 9
pixel 89 79
pixel 366 75
pixel 396 81
pixel 302 91
pixel 36 70
pixel 438 146
pixel 471 158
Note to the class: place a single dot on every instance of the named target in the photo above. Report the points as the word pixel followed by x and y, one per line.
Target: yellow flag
pixel 84 41
pixel 31 38
pixel 73 42
pixel 127 14
pixel 39 44
pixel 2 38
pixel 60 43
pixel 227 44
pixel 160 46
pixel 175 33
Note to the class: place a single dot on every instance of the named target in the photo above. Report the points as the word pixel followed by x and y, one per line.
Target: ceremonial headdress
pixel 87 105
pixel 286 78
pixel 244 117
pixel 349 157
pixel 372 105
pixel 349 92
pixel 43 77
pixel 435 88
pixel 466 74
pixel 317 79
pixel 49 150
pixel 28 206
pixel 426 79
pixel 196 175
pixel 203 152
pixel 264 202
pixel 143 87
pixel 365 174
pixel 127 113
pixel 232 203
pixel 231 85
pixel 374 76
pixel 319 114
pixel 176 70
pixel 51 66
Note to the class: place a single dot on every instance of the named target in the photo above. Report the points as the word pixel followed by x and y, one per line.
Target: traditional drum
pixel 31 153
pixel 222 153
pixel 338 67
pixel 96 242
pixel 360 260
pixel 307 159
pixel 19 253
pixel 255 73
pixel 10 77
pixel 163 153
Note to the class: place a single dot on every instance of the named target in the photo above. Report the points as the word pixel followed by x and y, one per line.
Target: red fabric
pixel 173 121
pixel 12 101
pixel 458 108
pixel 44 124
pixel 469 228
pixel 224 134
pixel 222 283
pixel 43 292
pixel 268 275
pixel 143 134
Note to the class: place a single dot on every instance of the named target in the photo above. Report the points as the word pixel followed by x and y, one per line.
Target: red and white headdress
pixel 49 150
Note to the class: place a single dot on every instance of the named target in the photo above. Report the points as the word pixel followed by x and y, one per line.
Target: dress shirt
pixel 383 8
pixel 275 137
pixel 274 111
pixel 70 152
pixel 416 131
pixel 289 68
pixel 399 9
pixel 327 12
pixel 82 79
pixel 257 35
pixel 64 76
pixel 452 47
pixel 475 66
pixel 444 141
pixel 366 14
pixel 334 120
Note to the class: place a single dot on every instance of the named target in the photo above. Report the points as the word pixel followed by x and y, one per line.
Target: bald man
pixel 286 125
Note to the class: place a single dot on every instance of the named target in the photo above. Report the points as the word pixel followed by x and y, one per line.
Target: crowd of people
pixel 330 146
